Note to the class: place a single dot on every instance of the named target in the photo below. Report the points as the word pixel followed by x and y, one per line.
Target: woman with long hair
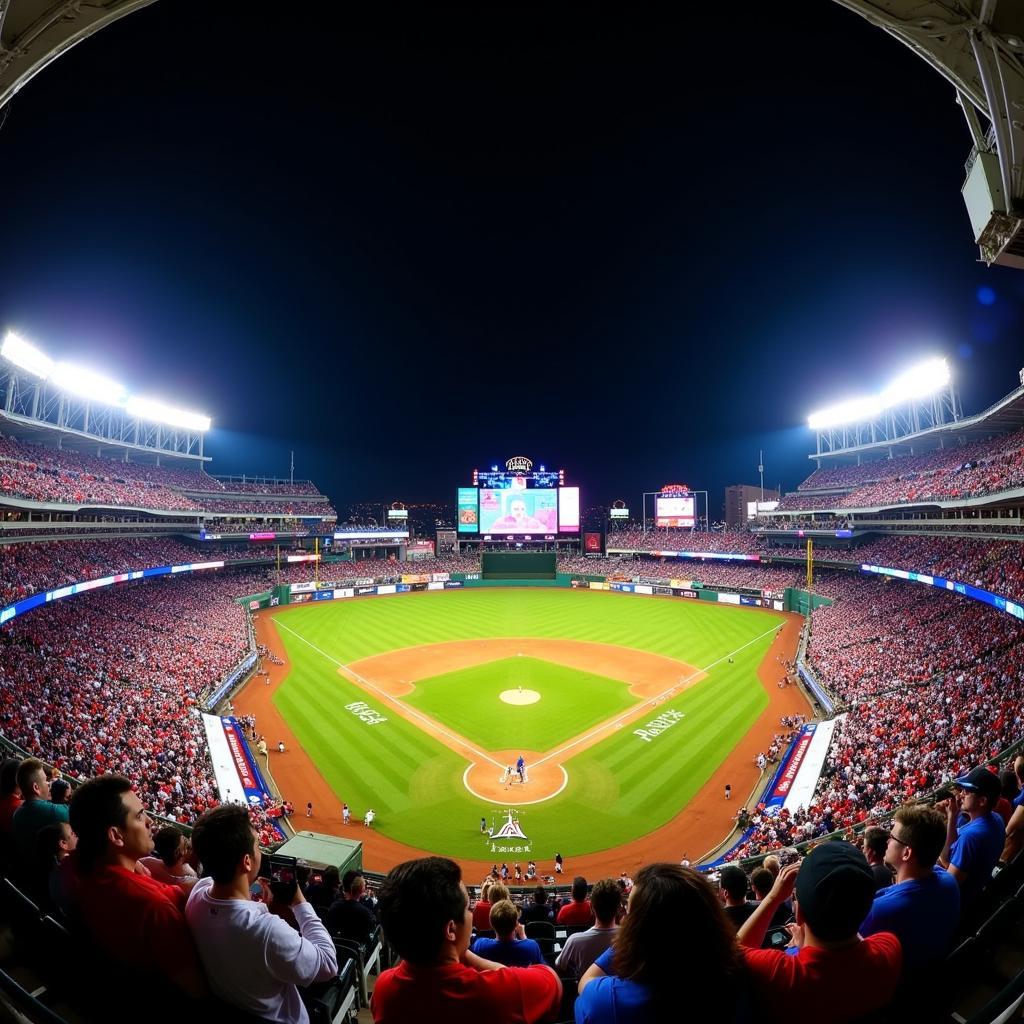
pixel 675 937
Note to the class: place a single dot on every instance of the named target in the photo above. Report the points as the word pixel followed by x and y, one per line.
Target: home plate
pixel 520 696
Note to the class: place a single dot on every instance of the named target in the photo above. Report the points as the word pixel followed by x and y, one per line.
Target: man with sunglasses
pixel 923 907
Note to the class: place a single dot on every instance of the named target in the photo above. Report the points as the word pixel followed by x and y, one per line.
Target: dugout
pixel 518 565
pixel 322 851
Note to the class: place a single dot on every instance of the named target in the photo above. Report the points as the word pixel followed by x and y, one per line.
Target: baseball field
pixel 622 708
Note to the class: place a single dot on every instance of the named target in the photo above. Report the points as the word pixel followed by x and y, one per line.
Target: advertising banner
pixel 468 512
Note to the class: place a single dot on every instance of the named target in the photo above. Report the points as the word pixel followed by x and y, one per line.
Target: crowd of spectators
pixel 207 484
pixel 31 568
pixel 247 526
pixel 936 684
pixel 731 541
pixel 112 681
pixel 943 460
pixel 964 471
pixel 270 505
pixel 64 477
pixel 795 501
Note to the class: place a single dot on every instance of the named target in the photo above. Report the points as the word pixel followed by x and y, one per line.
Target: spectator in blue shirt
pixel 675 939
pixel 511 947
pixel 972 850
pixel 923 908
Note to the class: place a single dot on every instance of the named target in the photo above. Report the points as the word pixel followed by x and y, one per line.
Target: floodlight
pixel 158 412
pixel 27 356
pixel 87 384
pixel 917 382
pixel 845 412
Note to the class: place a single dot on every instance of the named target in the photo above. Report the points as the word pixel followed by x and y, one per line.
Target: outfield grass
pixel 618 790
pixel 469 701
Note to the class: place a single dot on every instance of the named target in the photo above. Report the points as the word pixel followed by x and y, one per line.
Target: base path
pixel 700 826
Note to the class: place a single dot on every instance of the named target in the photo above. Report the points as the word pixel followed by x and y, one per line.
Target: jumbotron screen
pixel 518 511
pixel 674 510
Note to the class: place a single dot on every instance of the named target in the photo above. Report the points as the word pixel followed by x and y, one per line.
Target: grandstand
pixel 132 578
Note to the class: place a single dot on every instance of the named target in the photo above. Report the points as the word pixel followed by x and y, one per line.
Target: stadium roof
pixel 978 47
pixel 35 32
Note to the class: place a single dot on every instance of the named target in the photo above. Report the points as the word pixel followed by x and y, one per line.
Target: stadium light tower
pixel 921 398
pixel 37 389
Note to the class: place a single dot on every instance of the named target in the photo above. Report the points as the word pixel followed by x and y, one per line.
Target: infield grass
pixel 618 790
pixel 469 701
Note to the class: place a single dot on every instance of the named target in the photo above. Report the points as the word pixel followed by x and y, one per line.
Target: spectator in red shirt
pixel 482 909
pixel 133 918
pixel 578 912
pixel 424 909
pixel 835 974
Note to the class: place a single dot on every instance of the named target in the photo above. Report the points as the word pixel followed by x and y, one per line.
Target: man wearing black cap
pixel 835 975
pixel 972 850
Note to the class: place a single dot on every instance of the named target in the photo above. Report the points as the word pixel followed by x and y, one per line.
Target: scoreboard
pixel 518 502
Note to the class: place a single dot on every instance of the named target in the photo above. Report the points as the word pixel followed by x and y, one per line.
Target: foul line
pixel 661 696
pixel 384 696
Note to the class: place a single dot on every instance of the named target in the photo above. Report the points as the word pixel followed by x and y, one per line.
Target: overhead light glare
pixel 28 357
pixel 159 412
pixel 918 382
pixel 88 384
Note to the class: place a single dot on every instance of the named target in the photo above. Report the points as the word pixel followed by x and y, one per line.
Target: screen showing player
pixel 674 510
pixel 568 510
pixel 518 511
pixel 469 519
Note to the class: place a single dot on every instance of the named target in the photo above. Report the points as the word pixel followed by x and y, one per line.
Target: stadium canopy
pixel 35 32
pixel 978 47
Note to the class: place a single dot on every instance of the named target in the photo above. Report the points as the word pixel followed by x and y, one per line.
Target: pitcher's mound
pixel 520 696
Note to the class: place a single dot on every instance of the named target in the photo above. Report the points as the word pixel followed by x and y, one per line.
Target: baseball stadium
pixel 259 735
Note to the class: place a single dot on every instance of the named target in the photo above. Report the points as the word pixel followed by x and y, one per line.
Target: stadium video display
pixel 674 510
pixel 468 516
pixel 515 511
pixel 568 510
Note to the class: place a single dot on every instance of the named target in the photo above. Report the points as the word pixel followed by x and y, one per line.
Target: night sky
pixel 634 247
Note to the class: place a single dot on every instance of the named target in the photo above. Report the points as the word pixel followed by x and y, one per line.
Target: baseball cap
pixel 981 780
pixel 835 889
